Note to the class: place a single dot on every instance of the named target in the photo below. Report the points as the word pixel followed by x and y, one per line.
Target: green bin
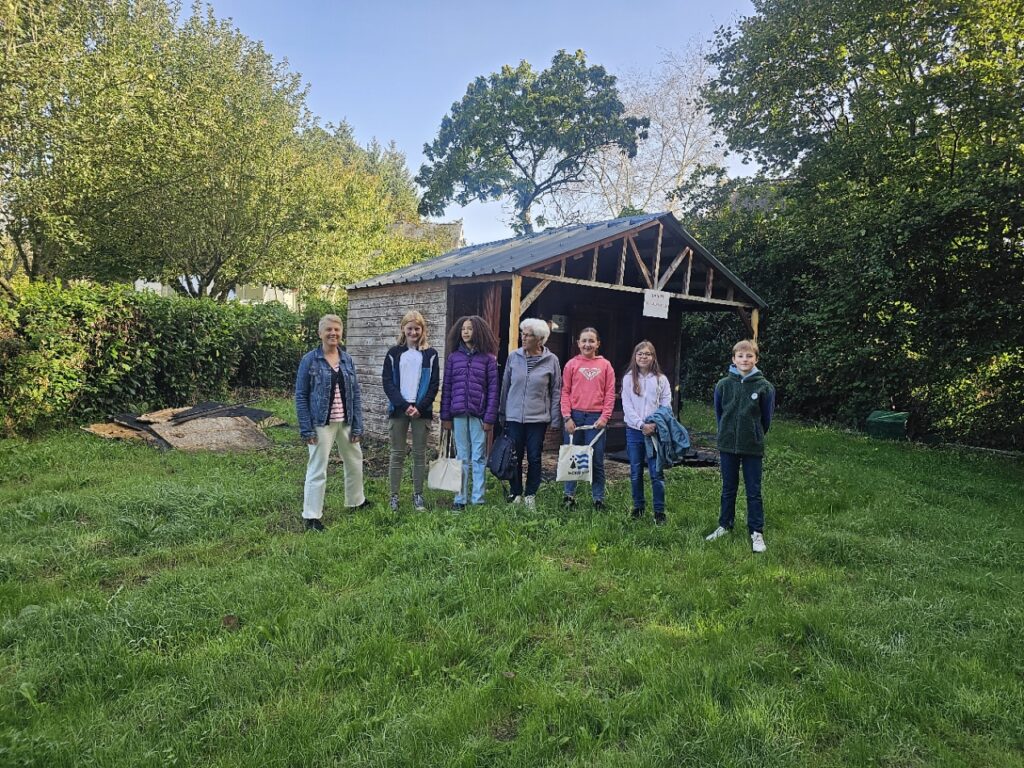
pixel 888 425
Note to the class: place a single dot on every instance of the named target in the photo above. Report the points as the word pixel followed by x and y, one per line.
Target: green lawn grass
pixel 164 608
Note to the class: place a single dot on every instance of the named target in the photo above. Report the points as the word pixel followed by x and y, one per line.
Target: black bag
pixel 502 461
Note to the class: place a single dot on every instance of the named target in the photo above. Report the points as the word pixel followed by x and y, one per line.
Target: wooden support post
pixel 689 271
pixel 513 314
pixel 532 295
pixel 640 263
pixel 622 262
pixel 561 271
pixel 657 252
pixel 755 317
pixel 744 315
pixel 593 265
pixel 709 283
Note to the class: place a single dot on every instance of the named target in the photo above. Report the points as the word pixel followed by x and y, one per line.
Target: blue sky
pixel 393 69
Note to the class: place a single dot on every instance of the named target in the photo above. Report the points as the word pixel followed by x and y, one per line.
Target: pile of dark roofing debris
pixel 209 426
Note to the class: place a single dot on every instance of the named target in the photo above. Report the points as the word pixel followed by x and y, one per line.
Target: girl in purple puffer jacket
pixel 469 398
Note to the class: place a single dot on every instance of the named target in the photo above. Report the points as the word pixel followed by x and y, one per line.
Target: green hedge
pixel 974 401
pixel 85 351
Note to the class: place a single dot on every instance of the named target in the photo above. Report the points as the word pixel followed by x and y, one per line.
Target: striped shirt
pixel 337 405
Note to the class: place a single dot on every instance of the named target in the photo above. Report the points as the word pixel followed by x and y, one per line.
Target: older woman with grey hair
pixel 329 407
pixel 529 403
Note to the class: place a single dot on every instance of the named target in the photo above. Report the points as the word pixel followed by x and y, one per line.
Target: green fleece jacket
pixel 743 407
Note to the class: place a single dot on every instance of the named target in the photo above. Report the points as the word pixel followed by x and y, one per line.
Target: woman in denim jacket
pixel 330 410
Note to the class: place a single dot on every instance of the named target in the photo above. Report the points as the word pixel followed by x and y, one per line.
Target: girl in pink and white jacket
pixel 588 396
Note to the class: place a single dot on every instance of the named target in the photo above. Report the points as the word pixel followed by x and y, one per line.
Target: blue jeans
pixel 637 451
pixel 470 446
pixel 752 484
pixel 585 419
pixel 529 440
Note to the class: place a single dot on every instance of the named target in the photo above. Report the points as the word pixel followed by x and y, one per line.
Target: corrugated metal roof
pixel 517 253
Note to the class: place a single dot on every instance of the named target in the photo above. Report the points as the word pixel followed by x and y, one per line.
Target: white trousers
pixel 316 471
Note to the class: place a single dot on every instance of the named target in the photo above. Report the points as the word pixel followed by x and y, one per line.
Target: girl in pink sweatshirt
pixel 588 396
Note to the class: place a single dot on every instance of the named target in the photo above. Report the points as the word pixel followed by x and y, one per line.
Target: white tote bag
pixel 445 473
pixel 576 462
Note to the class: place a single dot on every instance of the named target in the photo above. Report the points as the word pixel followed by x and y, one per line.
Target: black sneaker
pixel 637 513
pixel 568 501
pixel 313 524
pixel 457 507
pixel 598 504
pixel 365 505
pixel 659 518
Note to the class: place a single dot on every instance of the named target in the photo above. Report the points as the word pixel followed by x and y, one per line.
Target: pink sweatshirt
pixel 588 385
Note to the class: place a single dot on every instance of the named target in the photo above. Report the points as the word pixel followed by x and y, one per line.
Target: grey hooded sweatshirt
pixel 531 396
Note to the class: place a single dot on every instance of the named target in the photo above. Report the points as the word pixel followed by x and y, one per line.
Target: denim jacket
pixel 313 392
pixel 670 440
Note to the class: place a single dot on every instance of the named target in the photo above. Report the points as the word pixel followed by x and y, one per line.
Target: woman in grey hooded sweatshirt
pixel 529 403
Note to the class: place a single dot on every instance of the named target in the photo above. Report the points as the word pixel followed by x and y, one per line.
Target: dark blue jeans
pixel 637 451
pixel 583 437
pixel 529 440
pixel 752 484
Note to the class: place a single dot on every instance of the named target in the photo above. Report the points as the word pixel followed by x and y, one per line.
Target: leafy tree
pixel 358 198
pixel 134 145
pixel 897 128
pixel 390 165
pixel 78 98
pixel 525 135
pixel 680 140
pixel 220 204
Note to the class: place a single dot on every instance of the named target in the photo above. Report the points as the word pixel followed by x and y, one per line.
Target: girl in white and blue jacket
pixel 410 379
pixel 644 389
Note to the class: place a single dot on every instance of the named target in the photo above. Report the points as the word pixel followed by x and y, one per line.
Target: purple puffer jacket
pixel 470 386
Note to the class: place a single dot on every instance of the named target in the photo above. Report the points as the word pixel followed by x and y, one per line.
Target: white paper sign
pixel 656 303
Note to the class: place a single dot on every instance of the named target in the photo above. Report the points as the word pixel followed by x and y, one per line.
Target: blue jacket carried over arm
pixel 670 440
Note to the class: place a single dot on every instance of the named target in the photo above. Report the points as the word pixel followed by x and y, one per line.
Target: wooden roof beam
pixel 673 267
pixel 599 244
pixel 533 295
pixel 640 262
pixel 622 262
pixel 657 251
pixel 722 303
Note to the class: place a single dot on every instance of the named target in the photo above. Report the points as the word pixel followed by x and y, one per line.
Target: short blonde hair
pixel 329 319
pixel 537 327
pixel 412 316
pixel 749 345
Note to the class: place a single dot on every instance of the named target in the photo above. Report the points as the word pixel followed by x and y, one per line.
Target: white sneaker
pixel 530 501
pixel 757 542
pixel 517 500
pixel 718 533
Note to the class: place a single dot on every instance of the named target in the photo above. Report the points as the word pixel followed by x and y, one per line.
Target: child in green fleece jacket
pixel 744 403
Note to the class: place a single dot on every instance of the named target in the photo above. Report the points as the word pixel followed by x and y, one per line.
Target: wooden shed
pixel 601 275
